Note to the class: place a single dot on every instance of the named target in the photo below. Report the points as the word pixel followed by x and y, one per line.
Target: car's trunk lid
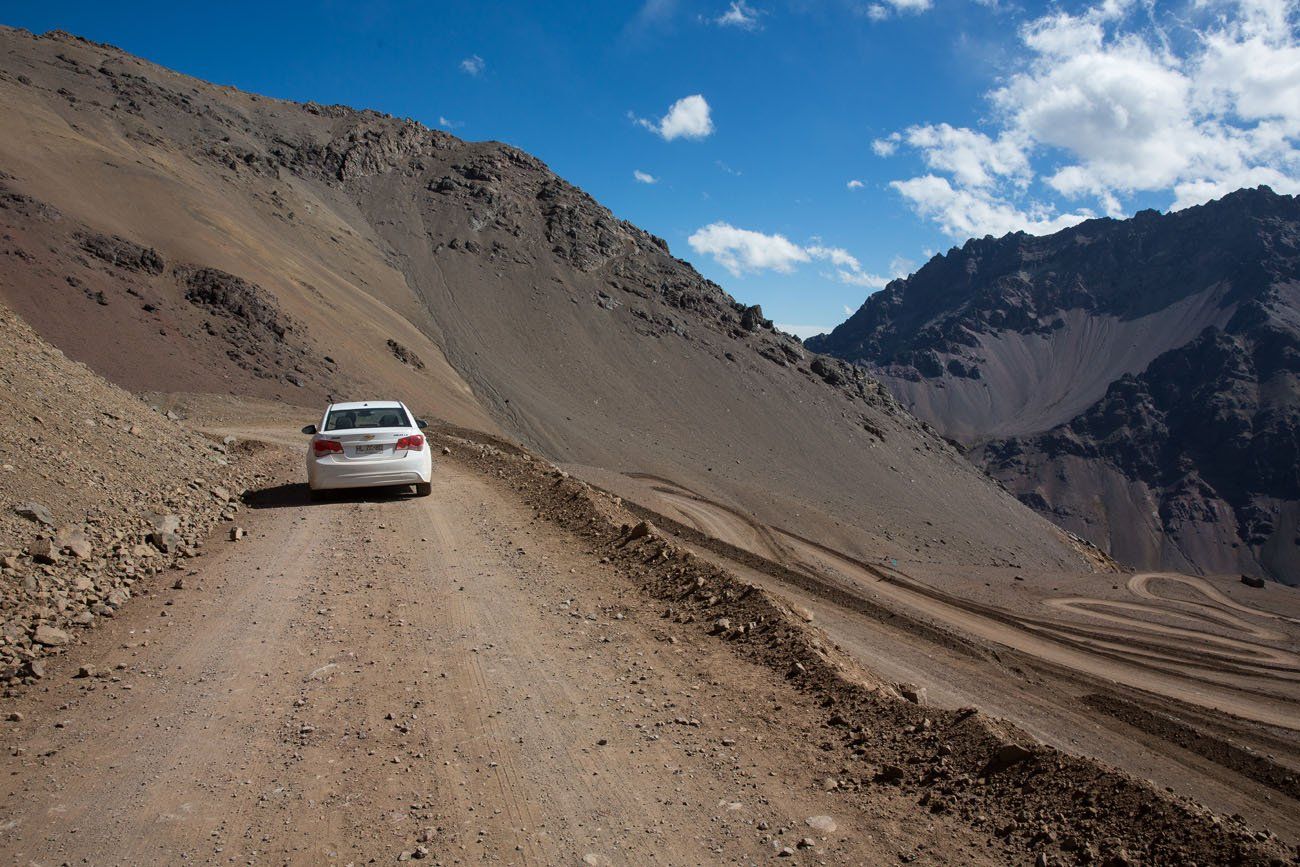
pixel 367 443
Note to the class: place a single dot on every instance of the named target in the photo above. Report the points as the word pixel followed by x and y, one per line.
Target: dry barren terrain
pixel 505 673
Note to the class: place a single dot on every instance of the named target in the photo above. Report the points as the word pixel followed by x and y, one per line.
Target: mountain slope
pixel 180 236
pixel 1138 381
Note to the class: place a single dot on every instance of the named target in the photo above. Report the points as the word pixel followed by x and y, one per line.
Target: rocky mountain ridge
pixel 1187 323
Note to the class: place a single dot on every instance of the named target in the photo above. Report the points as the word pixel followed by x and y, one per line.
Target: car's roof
pixel 368 404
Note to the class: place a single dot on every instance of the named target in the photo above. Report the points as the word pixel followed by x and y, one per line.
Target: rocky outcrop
pixel 1157 367
pixel 122 253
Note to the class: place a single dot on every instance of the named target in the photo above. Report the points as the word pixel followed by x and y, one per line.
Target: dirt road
pixel 447 678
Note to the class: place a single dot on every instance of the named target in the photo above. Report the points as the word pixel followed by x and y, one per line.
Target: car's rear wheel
pixel 423 489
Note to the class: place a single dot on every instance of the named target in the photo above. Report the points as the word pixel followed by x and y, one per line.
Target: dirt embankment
pixel 99 492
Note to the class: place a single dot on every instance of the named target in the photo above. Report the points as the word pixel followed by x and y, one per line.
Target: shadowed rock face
pixel 253 246
pixel 1137 381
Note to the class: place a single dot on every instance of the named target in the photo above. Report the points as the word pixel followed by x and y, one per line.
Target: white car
pixel 368 444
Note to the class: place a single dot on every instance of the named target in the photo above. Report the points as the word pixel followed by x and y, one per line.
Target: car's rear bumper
pixel 332 475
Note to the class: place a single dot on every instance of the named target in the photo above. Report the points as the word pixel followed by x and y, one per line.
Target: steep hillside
pixel 1135 380
pixel 98 493
pixel 180 236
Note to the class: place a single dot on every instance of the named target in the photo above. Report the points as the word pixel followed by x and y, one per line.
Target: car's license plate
pixel 369 449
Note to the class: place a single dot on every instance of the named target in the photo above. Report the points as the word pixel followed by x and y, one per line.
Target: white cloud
pixel 855 184
pixel 861 278
pixel 964 213
pixel 886 8
pixel 740 14
pixel 741 250
pixel 887 146
pixel 803 332
pixel 837 256
pixel 644 177
pixel 848 311
pixel 847 268
pixel 473 65
pixel 449 124
pixel 900 267
pixel 688 117
pixel 974 159
pixel 1117 100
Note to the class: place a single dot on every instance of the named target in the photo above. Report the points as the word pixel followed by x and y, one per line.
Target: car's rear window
pixel 377 416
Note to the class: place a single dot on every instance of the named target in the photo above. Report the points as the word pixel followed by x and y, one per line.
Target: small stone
pixel 237 533
pixel 163 532
pixel 821 824
pixel 640 531
pixel 830 784
pixel 72 539
pixel 42 550
pixel 722 624
pixel 14 716
pixel 86 671
pixel 890 774
pixel 50 637
pixel 1007 755
pixel 807 843
pixel 913 693
pixel 35 512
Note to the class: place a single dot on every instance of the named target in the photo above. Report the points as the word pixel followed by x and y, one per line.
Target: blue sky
pixel 953 117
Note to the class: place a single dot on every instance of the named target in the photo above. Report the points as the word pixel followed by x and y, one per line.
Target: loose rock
pixel 50 637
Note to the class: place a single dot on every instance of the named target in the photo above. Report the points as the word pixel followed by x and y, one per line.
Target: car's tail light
pixel 324 447
pixel 414 442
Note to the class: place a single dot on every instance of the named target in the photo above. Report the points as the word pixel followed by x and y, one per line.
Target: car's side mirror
pixel 309 429
pixel 421 423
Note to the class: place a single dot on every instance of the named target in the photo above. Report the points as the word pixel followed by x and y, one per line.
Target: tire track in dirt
pixel 205 698
pixel 1211 679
